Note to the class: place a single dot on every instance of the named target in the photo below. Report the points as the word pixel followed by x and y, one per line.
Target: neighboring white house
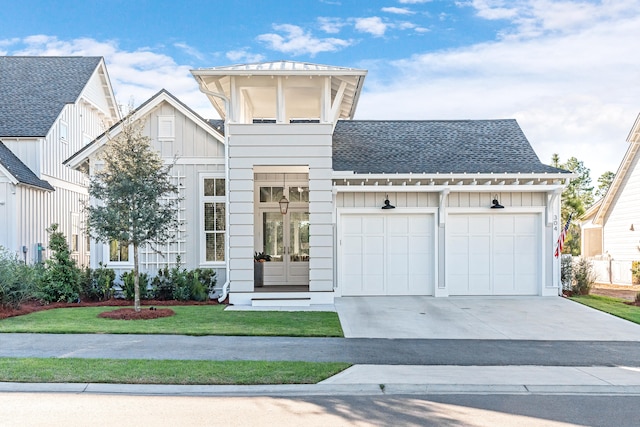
pixel 610 230
pixel 372 207
pixel 49 108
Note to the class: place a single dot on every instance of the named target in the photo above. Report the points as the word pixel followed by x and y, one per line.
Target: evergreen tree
pixel 577 197
pixel 135 194
pixel 604 182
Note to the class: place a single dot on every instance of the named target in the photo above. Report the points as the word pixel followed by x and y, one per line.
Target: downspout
pixel 227 102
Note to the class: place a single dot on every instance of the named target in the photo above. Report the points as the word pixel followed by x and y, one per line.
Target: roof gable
pixel 82 156
pixel 622 174
pixel 19 171
pixel 459 146
pixel 35 89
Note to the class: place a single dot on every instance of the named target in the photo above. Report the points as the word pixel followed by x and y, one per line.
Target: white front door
pixel 387 254
pixel 493 254
pixel 286 239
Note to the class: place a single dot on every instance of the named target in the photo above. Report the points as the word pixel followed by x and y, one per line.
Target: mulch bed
pixel 33 306
pixel 145 313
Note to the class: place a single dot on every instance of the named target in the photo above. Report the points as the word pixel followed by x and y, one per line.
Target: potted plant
pixel 258 268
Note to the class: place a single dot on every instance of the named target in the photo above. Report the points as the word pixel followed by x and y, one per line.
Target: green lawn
pixel 614 306
pixel 188 320
pixel 164 371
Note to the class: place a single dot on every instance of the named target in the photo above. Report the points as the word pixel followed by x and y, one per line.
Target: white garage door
pixel 387 254
pixel 493 254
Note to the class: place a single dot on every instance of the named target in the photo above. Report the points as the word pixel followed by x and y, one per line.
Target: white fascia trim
pixel 455 176
pixel 496 188
pixel 66 185
pixel 9 176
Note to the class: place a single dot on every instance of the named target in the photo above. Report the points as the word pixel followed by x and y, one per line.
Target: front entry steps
pixel 280 302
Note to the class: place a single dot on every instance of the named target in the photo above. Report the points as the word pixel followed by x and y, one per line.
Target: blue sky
pixel 568 71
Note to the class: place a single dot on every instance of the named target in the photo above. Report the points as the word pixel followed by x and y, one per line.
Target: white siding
pixel 618 240
pixel 196 152
pixel 290 145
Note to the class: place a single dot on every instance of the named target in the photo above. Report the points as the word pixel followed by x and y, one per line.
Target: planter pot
pixel 258 274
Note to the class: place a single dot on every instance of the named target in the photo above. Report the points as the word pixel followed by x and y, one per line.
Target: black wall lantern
pixel 387 204
pixel 495 204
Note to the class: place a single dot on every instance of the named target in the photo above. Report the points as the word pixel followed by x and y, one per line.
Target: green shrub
pixel 583 277
pixel 566 271
pixel 17 280
pixel 183 285
pixel 162 287
pixel 61 281
pixel 97 285
pixel 128 280
pixel 635 272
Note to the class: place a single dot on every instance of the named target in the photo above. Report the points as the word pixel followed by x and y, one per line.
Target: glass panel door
pixel 298 236
pixel 286 239
pixel 273 235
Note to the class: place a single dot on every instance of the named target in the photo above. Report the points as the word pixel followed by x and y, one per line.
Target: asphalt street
pixel 353 350
pixel 40 409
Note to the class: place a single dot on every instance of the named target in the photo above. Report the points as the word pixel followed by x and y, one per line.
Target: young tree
pixel 604 182
pixel 134 193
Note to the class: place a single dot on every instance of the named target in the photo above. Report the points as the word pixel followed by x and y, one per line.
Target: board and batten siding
pixel 36 209
pixel 194 153
pixel 619 240
pixel 281 146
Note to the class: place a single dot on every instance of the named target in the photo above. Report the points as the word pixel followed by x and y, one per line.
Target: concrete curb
pixel 294 390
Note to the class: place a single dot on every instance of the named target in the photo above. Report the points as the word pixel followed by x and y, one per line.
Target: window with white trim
pixel 75 232
pixel 64 132
pixel 118 252
pixel 166 127
pixel 213 208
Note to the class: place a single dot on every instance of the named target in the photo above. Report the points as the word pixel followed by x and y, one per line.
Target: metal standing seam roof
pixel 281 66
pixel 35 89
pixel 19 170
pixel 438 146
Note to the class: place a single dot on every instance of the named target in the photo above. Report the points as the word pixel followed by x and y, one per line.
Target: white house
pixel 49 108
pixel 610 230
pixel 370 207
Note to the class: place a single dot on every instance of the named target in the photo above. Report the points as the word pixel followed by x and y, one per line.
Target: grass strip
pixel 128 371
pixel 614 306
pixel 188 320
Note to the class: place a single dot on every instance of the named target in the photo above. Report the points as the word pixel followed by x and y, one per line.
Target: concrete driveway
pixel 508 318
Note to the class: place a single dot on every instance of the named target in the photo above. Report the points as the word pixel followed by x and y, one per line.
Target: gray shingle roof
pixel 35 89
pixel 19 170
pixel 440 146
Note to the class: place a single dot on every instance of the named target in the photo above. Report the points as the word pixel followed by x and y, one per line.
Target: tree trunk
pixel 136 279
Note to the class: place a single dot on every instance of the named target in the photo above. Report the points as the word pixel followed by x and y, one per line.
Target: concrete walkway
pixel 381 380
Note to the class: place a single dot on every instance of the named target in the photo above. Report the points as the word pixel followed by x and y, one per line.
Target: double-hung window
pixel 213 219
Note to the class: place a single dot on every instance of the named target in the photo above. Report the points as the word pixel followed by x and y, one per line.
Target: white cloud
pixel 575 93
pixel 135 75
pixel 243 55
pixel 372 25
pixel 296 41
pixel 190 50
pixel 331 25
pixel 398 10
